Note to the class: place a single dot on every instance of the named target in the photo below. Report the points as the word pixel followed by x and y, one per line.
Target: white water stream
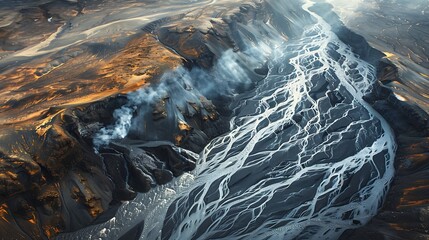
pixel 292 164
pixel 306 157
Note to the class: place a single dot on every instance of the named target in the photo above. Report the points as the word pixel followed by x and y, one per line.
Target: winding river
pixel 305 156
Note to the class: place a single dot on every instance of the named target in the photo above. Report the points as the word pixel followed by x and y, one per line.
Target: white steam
pixel 124 116
pixel 182 86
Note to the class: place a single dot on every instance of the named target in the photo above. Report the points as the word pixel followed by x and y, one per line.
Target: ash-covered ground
pixel 213 119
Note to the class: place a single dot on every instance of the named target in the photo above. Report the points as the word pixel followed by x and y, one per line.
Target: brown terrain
pixel 57 90
pixel 54 99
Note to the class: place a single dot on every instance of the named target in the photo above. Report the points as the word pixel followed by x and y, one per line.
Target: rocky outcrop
pixel 53 180
pixel 404 215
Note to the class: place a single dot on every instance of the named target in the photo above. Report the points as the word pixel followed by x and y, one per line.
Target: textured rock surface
pixel 401 98
pixel 51 107
pixel 54 100
pixel 404 214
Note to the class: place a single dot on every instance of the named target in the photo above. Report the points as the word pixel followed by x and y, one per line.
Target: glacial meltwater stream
pixel 305 157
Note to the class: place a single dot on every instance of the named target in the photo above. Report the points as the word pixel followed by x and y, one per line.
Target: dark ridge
pixel 151 27
pixel 134 233
pixel 410 124
pixel 357 43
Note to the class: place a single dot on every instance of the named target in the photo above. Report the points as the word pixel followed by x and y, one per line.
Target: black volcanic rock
pixel 177 162
pixel 133 233
pixel 403 215
pixel 53 181
pixel 189 42
pixel 116 169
